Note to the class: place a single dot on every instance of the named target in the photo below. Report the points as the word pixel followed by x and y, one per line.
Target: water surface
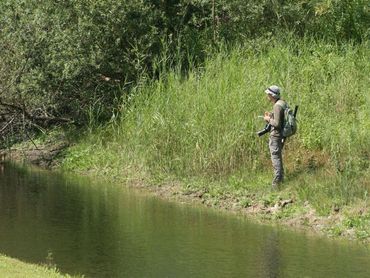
pixel 100 230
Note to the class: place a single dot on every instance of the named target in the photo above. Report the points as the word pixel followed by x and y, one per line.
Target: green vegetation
pixel 12 268
pixel 170 91
pixel 74 60
pixel 200 129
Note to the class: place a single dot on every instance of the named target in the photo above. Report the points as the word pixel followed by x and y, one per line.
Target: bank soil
pixel 44 156
pixel 289 213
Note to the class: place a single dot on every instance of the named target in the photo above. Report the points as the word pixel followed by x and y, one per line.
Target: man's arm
pixel 276 120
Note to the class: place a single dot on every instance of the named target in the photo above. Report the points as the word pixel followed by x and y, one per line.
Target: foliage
pixel 124 61
pixel 78 58
pixel 203 127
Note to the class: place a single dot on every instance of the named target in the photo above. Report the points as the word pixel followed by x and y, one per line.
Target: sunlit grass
pixel 12 268
pixel 203 126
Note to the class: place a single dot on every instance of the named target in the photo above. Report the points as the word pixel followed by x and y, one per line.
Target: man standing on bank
pixel 276 120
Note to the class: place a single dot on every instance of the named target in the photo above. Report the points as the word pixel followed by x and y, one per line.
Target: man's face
pixel 270 98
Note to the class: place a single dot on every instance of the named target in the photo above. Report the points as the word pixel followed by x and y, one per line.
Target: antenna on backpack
pixel 295 111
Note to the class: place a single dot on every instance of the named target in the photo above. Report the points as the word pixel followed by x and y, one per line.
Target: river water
pixel 99 230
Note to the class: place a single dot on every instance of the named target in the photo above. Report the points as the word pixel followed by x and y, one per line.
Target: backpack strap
pixel 283 104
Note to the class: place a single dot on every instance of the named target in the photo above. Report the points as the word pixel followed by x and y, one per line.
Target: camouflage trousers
pixel 276 149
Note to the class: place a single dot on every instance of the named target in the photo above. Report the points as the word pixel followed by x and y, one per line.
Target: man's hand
pixel 267 116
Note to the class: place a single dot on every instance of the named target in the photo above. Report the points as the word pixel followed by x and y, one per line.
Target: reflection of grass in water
pixel 202 127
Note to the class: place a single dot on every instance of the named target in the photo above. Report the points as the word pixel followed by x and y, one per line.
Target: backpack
pixel 290 120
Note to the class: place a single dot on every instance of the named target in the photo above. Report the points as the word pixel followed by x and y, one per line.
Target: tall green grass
pixel 203 124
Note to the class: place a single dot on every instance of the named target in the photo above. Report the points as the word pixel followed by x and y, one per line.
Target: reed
pixel 203 125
